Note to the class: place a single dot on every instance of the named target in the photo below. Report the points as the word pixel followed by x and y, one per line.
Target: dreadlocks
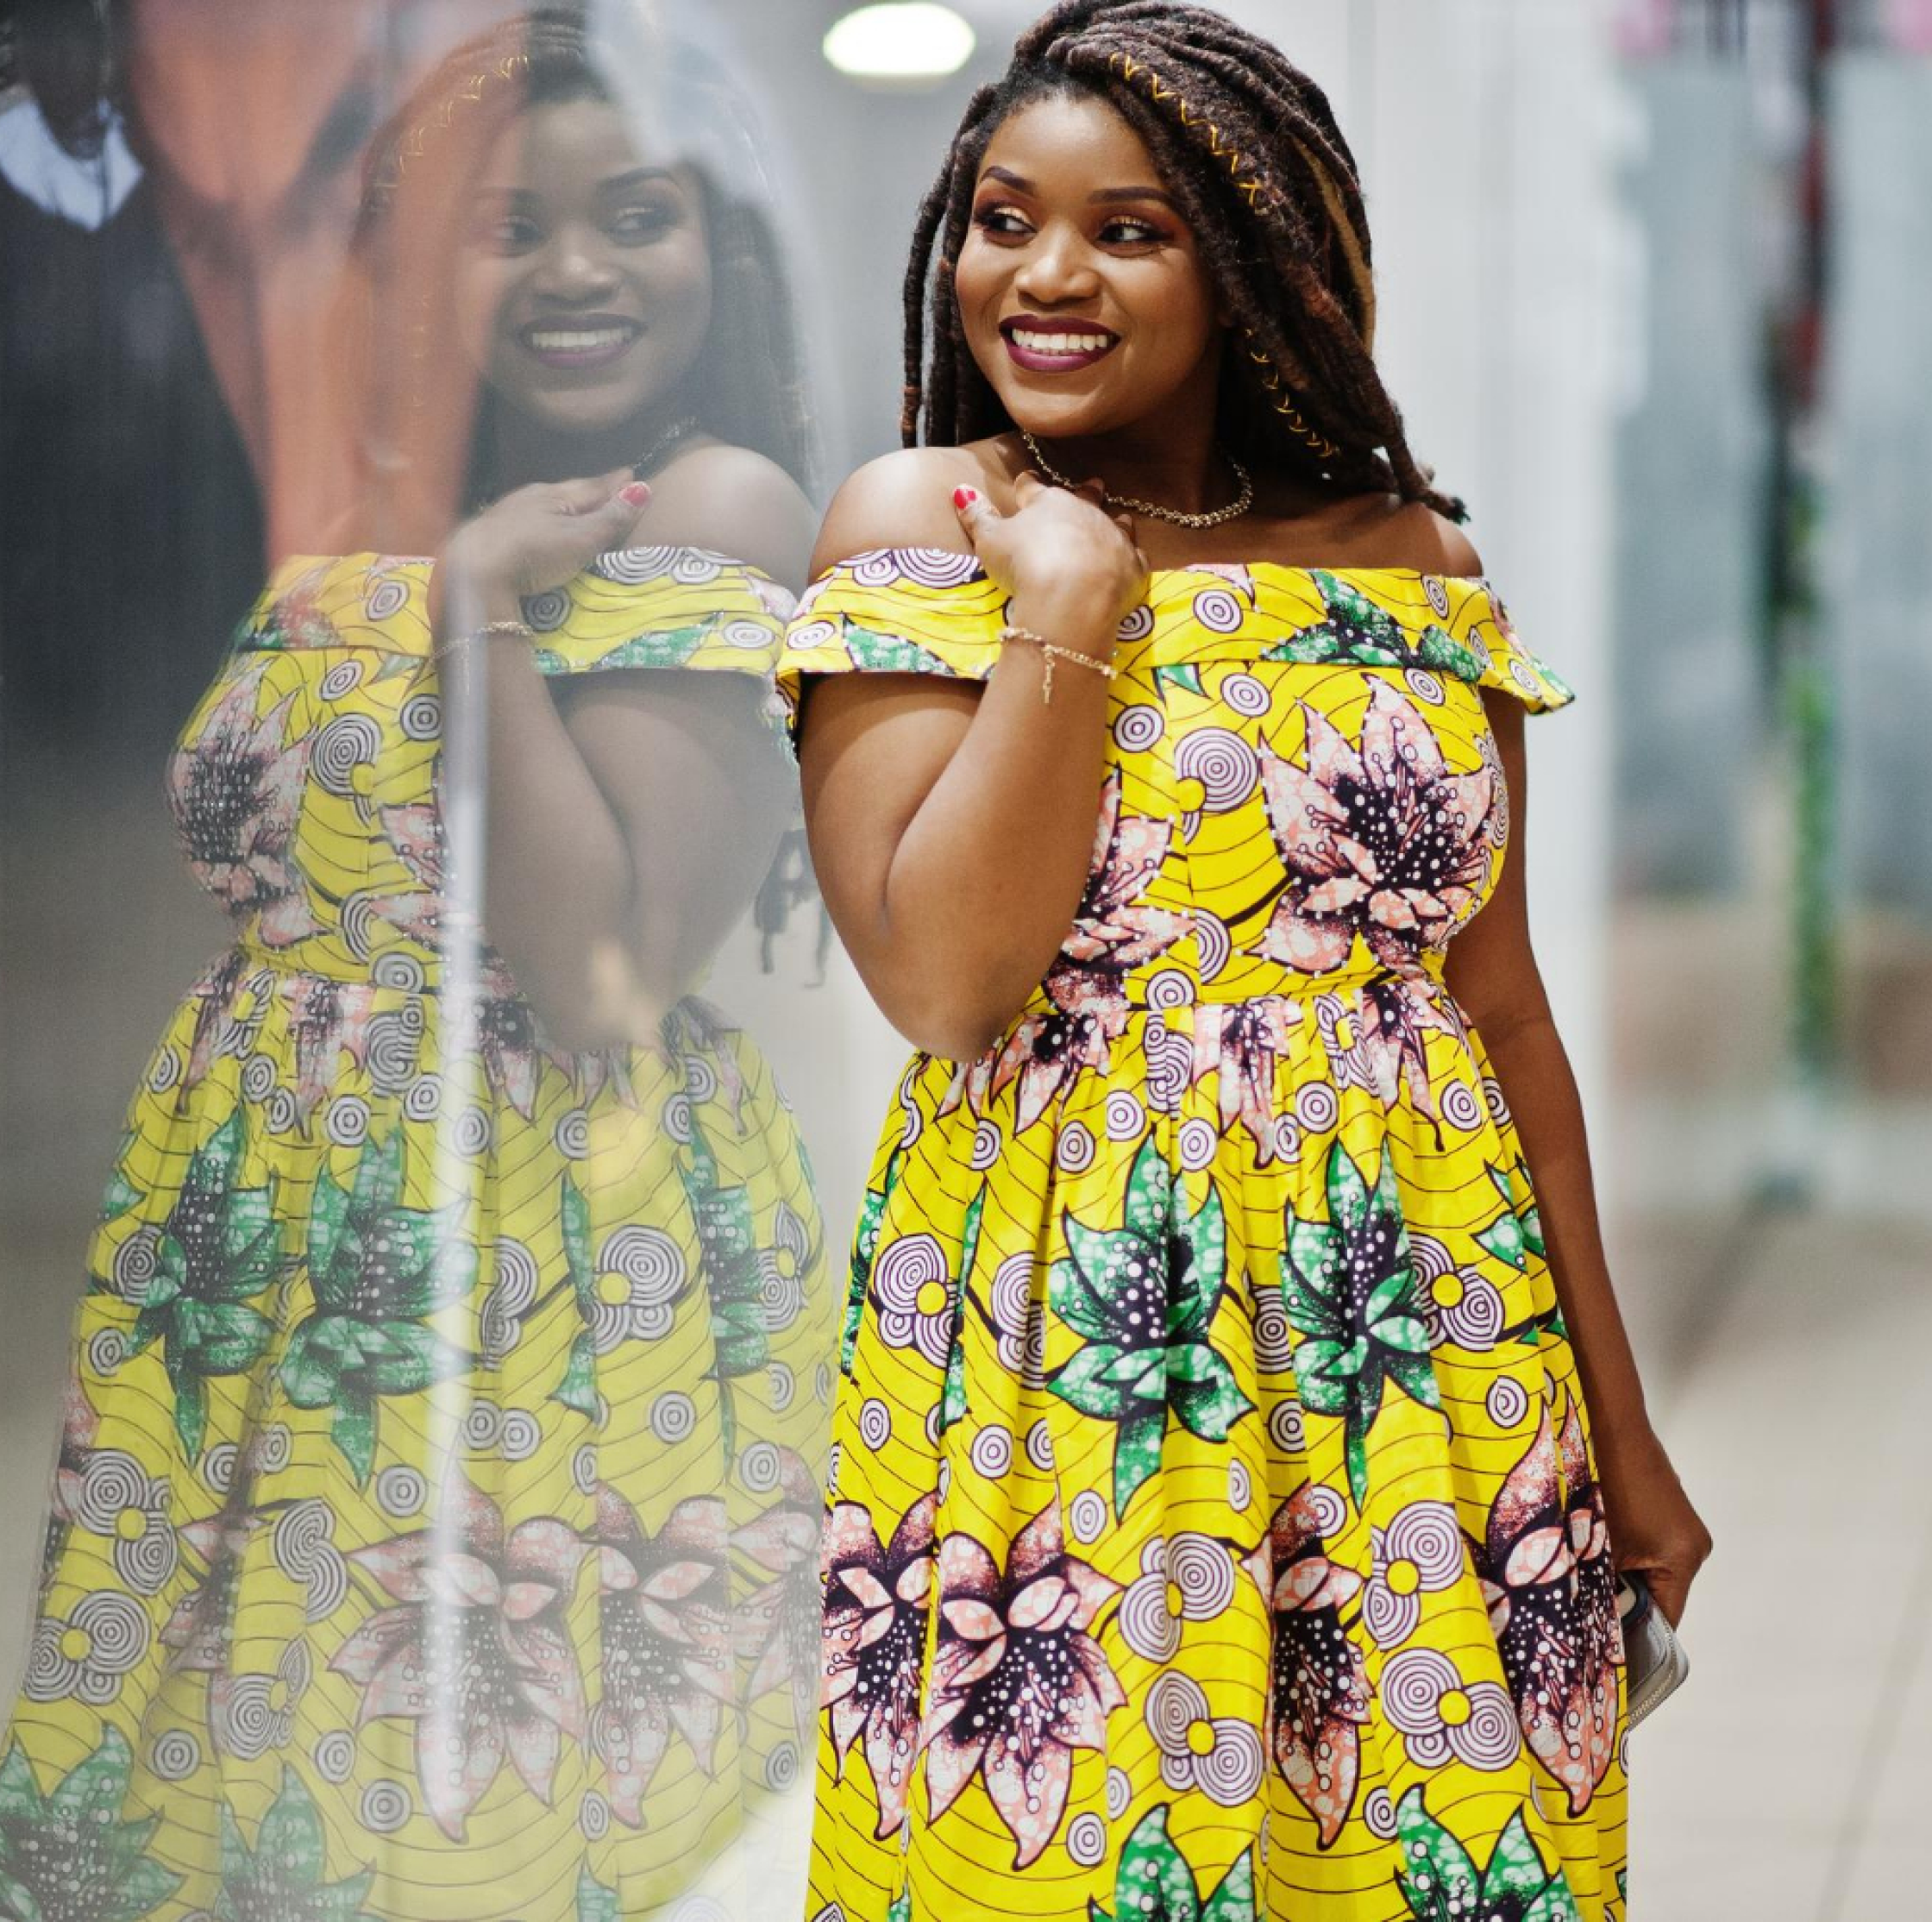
pixel 1250 147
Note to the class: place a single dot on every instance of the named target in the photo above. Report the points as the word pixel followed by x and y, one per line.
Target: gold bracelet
pixel 483 633
pixel 1048 650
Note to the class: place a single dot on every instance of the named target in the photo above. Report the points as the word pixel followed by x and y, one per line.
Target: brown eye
pixel 646 222
pixel 999 219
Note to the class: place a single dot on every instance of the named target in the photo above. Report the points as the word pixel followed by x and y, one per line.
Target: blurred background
pixel 1655 277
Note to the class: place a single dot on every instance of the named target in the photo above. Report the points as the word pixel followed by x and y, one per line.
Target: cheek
pixel 978 279
pixel 482 285
pixel 674 280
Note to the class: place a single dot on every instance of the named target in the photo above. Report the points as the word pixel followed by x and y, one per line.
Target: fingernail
pixel 635 495
pixel 964 498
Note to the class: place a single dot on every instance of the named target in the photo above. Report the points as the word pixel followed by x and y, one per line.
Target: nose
pixel 1059 266
pixel 575 266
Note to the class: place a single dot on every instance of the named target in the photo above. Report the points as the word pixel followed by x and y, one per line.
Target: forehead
pixel 1071 142
pixel 563 145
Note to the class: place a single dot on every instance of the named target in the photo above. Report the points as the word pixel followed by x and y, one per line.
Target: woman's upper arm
pixel 1490 968
pixel 876 746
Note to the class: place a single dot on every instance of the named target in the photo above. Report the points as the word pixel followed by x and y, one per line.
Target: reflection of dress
pixel 438 1494
pixel 1214 1526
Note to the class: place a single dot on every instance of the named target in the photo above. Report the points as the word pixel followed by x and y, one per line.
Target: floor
pixel 1778 1296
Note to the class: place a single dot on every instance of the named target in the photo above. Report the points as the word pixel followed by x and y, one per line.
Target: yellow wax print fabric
pixel 1214 1532
pixel 437 1507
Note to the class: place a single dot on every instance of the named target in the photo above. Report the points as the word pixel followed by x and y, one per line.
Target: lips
pixel 583 342
pixel 1043 346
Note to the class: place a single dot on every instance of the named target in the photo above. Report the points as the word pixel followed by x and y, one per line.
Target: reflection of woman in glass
pixel 436 1492
pixel 1218 1525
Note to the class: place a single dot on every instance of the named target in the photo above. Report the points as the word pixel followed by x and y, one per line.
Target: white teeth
pixel 1061 343
pixel 588 341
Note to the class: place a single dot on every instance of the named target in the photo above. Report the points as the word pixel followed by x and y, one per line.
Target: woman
pixel 1217 1528
pixel 437 1495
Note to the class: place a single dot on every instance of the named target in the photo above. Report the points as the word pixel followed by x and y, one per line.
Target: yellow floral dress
pixel 1213 1528
pixel 433 1536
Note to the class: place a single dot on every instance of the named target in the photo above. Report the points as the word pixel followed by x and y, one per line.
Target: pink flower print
pixel 1551 1586
pixel 1394 1016
pixel 1018 1684
pixel 775 1628
pixel 877 1605
pixel 236 788
pixel 1381 840
pixel 1112 933
pixel 213 1026
pixel 1242 1042
pixel 477 1653
pixel 327 1019
pixel 1319 1696
pixel 415 832
pixel 664 1612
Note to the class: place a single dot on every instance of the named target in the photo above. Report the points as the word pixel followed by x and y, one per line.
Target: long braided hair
pixel 428 424
pixel 1249 145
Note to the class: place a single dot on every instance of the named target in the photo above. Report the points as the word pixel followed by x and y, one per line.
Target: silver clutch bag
pixel 1655 1665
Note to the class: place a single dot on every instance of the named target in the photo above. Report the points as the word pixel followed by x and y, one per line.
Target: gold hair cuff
pixel 1050 651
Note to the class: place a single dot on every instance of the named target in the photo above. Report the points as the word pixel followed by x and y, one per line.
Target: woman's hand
pixel 1058 545
pixel 1655 1531
pixel 538 536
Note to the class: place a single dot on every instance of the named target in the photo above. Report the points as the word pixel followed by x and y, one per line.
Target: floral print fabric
pixel 434 1529
pixel 1213 1530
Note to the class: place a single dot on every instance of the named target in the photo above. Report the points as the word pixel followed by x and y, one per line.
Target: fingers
pixel 1670 1590
pixel 1670 1586
pixel 975 511
pixel 594 491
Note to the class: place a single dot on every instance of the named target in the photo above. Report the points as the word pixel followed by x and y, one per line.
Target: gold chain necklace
pixel 1239 505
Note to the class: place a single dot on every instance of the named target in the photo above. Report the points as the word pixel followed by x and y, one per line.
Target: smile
pixel 587 343
pixel 1057 347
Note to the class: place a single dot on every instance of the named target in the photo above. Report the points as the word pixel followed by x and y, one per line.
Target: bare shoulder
pixel 1413 535
pixel 736 501
pixel 900 500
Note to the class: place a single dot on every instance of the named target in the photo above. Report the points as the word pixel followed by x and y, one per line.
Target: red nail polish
pixel 964 498
pixel 635 495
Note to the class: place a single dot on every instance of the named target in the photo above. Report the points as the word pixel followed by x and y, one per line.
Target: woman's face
pixel 584 286
pixel 1084 297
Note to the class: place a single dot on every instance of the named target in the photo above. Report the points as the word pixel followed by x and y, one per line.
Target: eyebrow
pixel 1106 196
pixel 619 183
pixel 638 177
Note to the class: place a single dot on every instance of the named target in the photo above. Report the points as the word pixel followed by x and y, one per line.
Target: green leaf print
pixel 670 648
pixel 952 1406
pixel 1155 1884
pixel 376 1269
pixel 219 1248
pixel 728 1245
pixel 901 1909
pixel 595 1903
pixel 889 652
pixel 1441 1883
pixel 1517 1232
pixel 1187 676
pixel 865 1246
pixel 282 1878
pixel 1351 1291
pixel 1356 631
pixel 1142 1295
pixel 70 1857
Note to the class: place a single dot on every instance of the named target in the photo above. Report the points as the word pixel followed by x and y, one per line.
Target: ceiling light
pixel 902 43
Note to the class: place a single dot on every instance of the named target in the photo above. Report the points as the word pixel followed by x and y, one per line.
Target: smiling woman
pixel 1237 1449
pixel 437 1499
